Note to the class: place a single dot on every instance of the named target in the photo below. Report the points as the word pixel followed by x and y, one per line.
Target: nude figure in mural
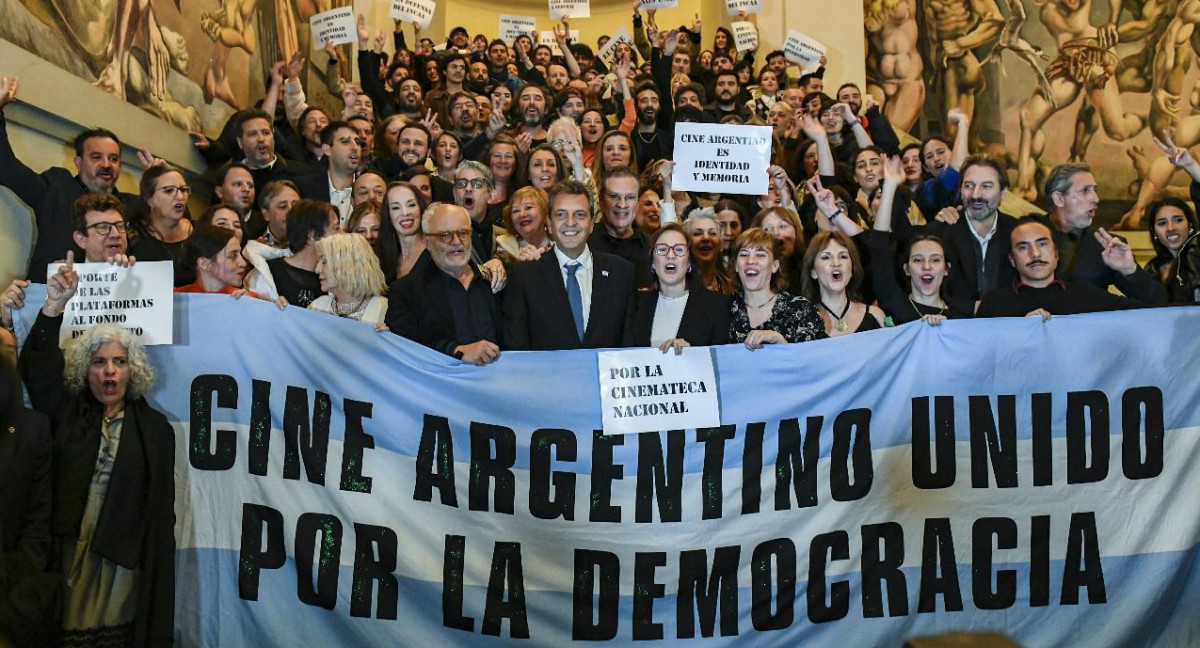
pixel 1011 40
pixel 1085 63
pixel 1173 56
pixel 229 28
pixel 131 16
pixel 955 27
pixel 894 65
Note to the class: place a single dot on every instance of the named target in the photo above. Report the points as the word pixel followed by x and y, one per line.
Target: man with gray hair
pixel 1088 253
pixel 447 305
pixel 473 185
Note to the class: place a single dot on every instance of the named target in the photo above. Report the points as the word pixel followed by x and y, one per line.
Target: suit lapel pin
pixel 12 430
pixel 604 273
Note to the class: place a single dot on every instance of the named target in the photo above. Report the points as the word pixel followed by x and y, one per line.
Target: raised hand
pixel 364 34
pixel 61 287
pixel 1117 254
pixel 812 128
pixel 893 170
pixel 8 90
pixel 295 65
pixel 147 159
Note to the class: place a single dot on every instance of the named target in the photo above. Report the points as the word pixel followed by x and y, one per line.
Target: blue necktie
pixel 575 296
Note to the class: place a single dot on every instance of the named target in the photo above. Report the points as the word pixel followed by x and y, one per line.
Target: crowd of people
pixel 493 196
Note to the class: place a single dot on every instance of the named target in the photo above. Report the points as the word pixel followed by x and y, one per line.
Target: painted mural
pixel 1048 81
pixel 190 62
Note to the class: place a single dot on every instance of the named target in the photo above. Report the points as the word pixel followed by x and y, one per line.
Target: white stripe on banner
pixel 1016 476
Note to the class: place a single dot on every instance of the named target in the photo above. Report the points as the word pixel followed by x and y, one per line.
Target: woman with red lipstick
pixel 162 233
pixel 114 492
pixel 544 168
pixel 592 125
pixel 614 149
pixel 401 243
pixel 677 311
pixel 761 311
pixel 447 153
pixel 214 255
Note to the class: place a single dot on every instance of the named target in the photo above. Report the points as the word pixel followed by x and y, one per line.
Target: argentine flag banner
pixel 338 486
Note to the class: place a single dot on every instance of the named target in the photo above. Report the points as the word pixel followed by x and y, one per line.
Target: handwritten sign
pixel 334 26
pixel 724 158
pixel 547 38
pixel 415 11
pixel 572 8
pixel 659 4
pixel 139 299
pixel 608 53
pixel 749 6
pixel 646 390
pixel 802 49
pixel 745 35
pixel 513 26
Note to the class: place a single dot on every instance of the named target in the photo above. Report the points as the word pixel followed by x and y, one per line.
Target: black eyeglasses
pixel 174 191
pixel 448 236
pixel 103 229
pixel 477 183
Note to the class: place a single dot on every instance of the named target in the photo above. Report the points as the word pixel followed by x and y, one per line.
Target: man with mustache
pixel 1091 254
pixel 447 305
pixel 51 193
pixel 1038 291
pixel 571 297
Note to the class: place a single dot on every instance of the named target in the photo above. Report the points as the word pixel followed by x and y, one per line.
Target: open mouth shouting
pixel 109 387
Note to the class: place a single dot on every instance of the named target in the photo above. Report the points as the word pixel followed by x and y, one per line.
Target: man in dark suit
pixel 449 305
pixel 977 243
pixel 571 297
pixel 1090 254
pixel 256 140
pixel 334 185
pixel 52 192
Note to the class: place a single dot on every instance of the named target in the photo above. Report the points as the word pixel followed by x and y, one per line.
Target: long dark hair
pixel 388 247
pixel 1161 253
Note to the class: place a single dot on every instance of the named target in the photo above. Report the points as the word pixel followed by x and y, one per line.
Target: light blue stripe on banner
pixel 880 370
pixel 1151 601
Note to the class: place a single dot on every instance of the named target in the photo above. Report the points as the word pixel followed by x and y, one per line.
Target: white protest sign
pixel 547 38
pixel 336 26
pixel 415 11
pixel 140 299
pixel 646 390
pixel 749 6
pixel 659 4
pixel 572 8
pixel 722 158
pixel 608 53
pixel 513 26
pixel 802 49
pixel 745 35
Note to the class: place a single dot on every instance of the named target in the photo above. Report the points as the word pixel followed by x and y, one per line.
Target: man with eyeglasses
pixel 51 193
pixel 618 233
pixel 447 305
pixel 573 298
pixel 454 74
pixel 100 231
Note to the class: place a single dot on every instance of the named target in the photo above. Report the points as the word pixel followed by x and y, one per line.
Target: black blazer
pixel 705 318
pixel 963 280
pixel 537 315
pixel 314 186
pixel 25 489
pixel 419 308
pixel 1089 267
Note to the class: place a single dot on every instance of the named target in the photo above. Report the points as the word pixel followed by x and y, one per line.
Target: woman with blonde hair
pixel 351 279
pixel 524 226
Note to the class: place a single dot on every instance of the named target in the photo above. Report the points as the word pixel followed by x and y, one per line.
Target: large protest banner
pixel 338 486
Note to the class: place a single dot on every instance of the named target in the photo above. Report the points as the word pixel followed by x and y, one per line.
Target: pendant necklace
pixel 839 324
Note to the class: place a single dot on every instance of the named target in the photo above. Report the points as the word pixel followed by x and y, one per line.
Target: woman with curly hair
pixel 351 279
pixel 114 493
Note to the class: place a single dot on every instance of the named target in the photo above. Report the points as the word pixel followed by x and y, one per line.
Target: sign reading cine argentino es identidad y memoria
pixel 334 26
pixel 722 158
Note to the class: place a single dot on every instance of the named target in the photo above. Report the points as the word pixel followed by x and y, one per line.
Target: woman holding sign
pixel 114 494
pixel 762 313
pixel 677 311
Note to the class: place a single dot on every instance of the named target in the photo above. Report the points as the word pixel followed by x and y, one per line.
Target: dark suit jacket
pixel 419 308
pixel 314 186
pixel 27 592
pixel 281 170
pixel 537 315
pixel 960 252
pixel 705 318
pixel 1089 267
